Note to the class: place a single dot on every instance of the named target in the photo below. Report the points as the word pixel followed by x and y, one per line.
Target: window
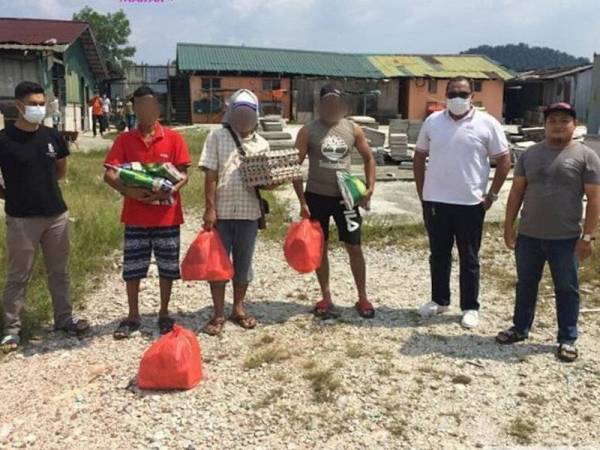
pixel 271 84
pixel 432 86
pixel 206 106
pixel 211 84
pixel 477 86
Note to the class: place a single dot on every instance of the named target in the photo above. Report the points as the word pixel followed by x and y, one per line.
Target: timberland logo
pixel 334 148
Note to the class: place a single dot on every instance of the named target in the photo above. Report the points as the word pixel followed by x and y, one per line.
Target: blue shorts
pixel 239 239
pixel 141 242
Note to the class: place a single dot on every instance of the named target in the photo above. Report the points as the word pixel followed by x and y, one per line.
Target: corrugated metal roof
pixel 224 58
pixel 39 31
pixel 221 58
pixel 440 66
pixel 55 35
pixel 552 73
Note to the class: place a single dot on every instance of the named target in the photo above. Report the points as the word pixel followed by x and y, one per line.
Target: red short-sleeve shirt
pixel 167 146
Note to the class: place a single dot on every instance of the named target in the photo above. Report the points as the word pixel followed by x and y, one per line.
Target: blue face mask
pixel 34 114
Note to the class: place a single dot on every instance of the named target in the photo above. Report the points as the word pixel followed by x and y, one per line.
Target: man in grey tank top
pixel 328 143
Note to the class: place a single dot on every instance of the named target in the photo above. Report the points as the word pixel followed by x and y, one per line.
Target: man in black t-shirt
pixel 32 160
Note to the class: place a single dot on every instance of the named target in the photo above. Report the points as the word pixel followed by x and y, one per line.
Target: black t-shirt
pixel 28 164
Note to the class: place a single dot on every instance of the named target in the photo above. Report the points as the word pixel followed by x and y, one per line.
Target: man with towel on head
pixel 231 206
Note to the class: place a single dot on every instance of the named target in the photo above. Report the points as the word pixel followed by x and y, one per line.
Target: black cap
pixel 330 89
pixel 560 107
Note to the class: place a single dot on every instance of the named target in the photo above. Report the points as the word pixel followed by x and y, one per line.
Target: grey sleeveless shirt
pixel 329 149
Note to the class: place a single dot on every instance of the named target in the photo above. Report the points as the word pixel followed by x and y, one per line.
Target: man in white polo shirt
pixel 459 141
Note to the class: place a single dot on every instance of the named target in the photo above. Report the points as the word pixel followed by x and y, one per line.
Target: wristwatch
pixel 492 196
pixel 587 238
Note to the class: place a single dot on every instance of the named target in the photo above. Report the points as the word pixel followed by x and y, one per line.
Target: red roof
pixel 39 31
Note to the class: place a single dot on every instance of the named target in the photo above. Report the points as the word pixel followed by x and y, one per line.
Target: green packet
pixel 144 180
pixel 161 170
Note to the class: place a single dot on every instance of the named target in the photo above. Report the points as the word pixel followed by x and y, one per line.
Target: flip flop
pixel 165 324
pixel 10 343
pixel 365 309
pixel 126 328
pixel 567 352
pixel 214 327
pixel 323 308
pixel 510 336
pixel 246 321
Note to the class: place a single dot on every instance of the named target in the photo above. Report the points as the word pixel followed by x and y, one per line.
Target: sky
pixel 360 26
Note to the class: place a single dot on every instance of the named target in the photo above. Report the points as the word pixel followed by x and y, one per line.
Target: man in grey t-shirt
pixel 550 180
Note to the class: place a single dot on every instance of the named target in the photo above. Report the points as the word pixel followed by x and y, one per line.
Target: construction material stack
pixel 271 128
pixel 398 139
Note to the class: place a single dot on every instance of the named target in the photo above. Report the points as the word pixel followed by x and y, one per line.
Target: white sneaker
pixel 470 318
pixel 432 309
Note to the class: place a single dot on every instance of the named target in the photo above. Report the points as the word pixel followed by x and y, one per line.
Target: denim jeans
pixel 446 223
pixel 239 240
pixel 531 255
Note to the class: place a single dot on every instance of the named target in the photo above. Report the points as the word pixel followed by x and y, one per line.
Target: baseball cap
pixel 329 90
pixel 560 107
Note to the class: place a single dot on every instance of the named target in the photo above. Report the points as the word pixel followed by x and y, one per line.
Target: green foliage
pixel 521 57
pixel 111 31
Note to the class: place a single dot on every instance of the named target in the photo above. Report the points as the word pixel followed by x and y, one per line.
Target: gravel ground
pixel 297 382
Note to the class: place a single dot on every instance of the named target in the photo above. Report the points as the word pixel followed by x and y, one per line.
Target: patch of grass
pixel 522 430
pixel 271 354
pixel 111 135
pixel 265 339
pixel 324 383
pixel 355 351
pixel 385 370
pixel 280 376
pixel 269 398
pixel 397 427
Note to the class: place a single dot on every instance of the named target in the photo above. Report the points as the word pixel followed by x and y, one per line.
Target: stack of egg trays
pixel 271 167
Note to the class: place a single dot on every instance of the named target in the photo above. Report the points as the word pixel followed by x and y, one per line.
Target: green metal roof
pixel 223 58
pixel 442 66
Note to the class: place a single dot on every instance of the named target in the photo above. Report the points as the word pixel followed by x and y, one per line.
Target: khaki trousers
pixel 23 237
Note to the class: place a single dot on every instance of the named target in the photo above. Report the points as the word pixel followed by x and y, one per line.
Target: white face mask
pixel 458 106
pixel 34 114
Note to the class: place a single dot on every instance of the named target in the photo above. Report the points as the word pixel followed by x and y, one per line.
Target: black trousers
pixel 99 120
pixel 446 224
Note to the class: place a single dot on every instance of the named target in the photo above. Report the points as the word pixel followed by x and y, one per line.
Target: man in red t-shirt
pixel 149 227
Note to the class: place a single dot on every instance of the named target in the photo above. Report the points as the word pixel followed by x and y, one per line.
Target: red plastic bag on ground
pixel 206 259
pixel 172 362
pixel 303 247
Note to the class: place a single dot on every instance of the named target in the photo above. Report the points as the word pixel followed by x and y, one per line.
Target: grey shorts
pixel 239 239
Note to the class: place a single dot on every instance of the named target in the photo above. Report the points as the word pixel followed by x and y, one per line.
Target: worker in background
pixel 97 115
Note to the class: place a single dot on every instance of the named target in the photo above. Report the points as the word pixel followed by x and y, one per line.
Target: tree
pixel 521 57
pixel 112 33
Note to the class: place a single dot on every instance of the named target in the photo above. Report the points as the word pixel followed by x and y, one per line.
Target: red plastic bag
pixel 206 259
pixel 303 247
pixel 174 361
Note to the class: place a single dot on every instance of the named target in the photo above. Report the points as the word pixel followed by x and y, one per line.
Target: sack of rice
pixel 352 188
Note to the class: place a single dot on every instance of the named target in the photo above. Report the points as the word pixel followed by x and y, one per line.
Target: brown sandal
pixel 214 327
pixel 245 321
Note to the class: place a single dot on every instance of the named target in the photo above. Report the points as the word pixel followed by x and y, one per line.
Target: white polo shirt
pixel 459 153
